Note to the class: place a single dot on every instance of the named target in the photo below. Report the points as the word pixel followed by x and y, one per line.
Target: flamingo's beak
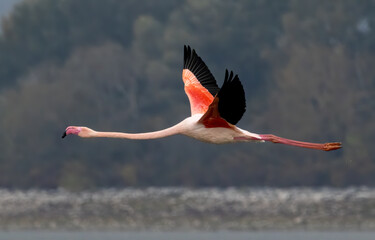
pixel 71 130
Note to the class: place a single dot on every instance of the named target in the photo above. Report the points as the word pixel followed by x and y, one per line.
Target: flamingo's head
pixel 79 131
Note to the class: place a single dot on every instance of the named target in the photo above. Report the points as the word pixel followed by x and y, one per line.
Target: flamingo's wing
pixel 200 85
pixel 228 106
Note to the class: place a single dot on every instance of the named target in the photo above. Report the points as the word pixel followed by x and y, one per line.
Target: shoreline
pixel 188 209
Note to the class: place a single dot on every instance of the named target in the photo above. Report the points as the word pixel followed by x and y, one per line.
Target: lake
pixel 130 211
pixel 220 235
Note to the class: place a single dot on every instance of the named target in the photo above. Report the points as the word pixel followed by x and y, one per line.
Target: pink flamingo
pixel 214 112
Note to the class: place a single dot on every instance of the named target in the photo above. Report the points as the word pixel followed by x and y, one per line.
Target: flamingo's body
pixel 214 112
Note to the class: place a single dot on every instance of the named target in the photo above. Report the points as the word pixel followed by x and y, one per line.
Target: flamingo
pixel 214 112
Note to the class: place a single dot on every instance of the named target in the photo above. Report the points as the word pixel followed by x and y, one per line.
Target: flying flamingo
pixel 214 112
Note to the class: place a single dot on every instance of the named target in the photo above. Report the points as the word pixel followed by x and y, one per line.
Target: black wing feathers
pixel 232 102
pixel 196 65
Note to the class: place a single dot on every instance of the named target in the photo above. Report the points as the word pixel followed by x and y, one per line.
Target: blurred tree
pixel 322 88
pixel 45 30
pixel 342 22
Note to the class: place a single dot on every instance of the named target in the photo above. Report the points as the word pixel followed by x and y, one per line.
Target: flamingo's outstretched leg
pixel 321 146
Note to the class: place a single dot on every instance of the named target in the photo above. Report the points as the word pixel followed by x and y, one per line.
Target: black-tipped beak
pixel 64 134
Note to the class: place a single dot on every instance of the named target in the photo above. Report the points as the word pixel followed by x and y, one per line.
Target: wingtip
pixel 193 53
pixel 188 48
pixel 187 55
pixel 229 76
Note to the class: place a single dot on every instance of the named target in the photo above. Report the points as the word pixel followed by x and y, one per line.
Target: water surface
pixel 220 235
pixel 185 209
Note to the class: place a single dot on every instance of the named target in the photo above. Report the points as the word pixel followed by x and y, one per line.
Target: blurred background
pixel 307 68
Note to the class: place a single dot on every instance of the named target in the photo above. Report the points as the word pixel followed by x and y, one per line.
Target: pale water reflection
pixel 220 235
pixel 184 209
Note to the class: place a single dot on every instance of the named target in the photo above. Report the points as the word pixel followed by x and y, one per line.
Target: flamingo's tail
pixel 320 146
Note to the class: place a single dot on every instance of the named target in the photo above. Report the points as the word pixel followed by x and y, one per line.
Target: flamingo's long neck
pixel 149 135
pixel 320 146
